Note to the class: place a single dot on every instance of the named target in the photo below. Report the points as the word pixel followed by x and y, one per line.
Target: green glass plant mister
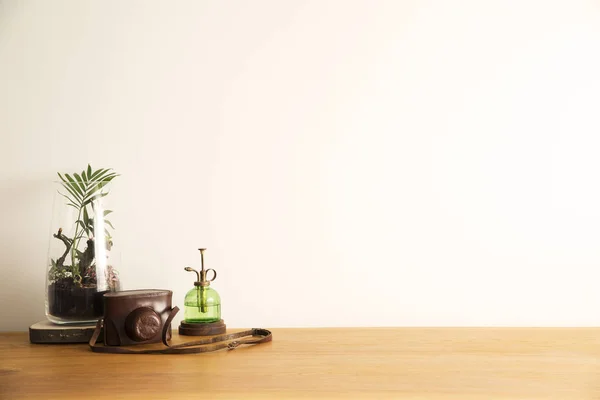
pixel 202 303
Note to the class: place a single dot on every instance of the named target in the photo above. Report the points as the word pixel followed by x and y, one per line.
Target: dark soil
pixel 67 300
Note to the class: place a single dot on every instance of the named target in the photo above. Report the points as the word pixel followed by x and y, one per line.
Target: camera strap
pixel 227 341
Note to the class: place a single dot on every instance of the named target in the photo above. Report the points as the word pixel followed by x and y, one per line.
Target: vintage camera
pixel 136 316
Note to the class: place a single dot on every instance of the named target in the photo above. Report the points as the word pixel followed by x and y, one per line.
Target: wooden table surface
pixel 373 363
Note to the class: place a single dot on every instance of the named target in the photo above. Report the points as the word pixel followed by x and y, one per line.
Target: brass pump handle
pixel 213 277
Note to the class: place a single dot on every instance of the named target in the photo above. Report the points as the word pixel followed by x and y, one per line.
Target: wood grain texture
pixel 374 363
pixel 47 332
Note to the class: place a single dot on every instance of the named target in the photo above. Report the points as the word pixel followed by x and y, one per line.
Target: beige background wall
pixel 346 163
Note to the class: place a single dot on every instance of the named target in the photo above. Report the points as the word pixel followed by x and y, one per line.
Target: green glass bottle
pixel 202 303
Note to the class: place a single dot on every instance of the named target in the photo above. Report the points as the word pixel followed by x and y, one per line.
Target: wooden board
pixel 386 363
pixel 202 329
pixel 47 332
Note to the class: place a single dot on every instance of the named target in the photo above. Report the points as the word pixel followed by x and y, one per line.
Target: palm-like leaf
pixel 81 191
pixel 85 188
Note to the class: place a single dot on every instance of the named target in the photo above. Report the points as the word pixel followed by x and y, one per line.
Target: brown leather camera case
pixel 136 316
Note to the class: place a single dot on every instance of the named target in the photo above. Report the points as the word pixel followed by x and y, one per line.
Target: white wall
pixel 346 163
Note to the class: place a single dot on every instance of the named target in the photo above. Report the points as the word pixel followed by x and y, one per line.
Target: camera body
pixel 136 316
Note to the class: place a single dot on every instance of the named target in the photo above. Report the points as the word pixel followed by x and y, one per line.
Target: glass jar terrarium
pixel 82 254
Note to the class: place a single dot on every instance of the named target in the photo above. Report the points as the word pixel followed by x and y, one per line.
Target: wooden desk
pixel 402 363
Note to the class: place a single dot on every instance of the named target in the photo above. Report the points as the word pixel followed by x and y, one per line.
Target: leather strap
pixel 227 341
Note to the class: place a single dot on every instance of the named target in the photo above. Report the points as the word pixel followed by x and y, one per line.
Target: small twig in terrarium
pixel 68 243
pixel 87 257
